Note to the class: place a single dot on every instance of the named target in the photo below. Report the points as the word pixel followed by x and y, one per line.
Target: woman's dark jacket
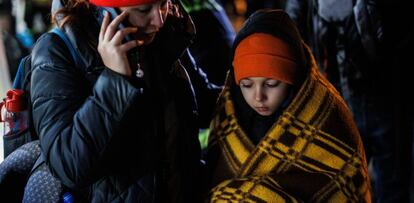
pixel 110 138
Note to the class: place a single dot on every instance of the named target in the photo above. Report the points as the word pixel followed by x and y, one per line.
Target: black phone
pixel 113 13
pixel 133 54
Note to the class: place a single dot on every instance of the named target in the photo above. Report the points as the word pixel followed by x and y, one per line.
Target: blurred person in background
pixel 37 16
pixel 362 49
pixel 254 5
pixel 213 40
pixel 14 50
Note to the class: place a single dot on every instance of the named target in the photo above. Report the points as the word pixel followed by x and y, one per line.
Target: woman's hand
pixel 110 47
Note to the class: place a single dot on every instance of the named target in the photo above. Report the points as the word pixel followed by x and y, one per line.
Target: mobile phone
pixel 133 54
pixel 113 13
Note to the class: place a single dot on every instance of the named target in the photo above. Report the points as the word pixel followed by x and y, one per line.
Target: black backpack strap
pixel 23 74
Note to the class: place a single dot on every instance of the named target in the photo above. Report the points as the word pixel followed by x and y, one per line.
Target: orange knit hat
pixel 264 55
pixel 121 3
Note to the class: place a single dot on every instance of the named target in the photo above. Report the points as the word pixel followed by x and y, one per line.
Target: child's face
pixel 264 95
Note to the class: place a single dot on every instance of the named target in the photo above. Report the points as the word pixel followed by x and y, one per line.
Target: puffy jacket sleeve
pixel 74 123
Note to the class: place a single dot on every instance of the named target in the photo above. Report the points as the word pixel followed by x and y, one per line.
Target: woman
pixel 124 127
pixel 281 131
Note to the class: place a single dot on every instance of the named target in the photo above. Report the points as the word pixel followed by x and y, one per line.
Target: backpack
pixel 21 128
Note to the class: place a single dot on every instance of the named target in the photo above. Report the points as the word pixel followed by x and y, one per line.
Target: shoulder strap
pixel 75 54
pixel 18 82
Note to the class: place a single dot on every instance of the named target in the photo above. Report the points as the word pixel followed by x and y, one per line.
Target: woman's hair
pixel 72 12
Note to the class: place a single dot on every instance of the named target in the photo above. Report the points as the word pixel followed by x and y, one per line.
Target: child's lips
pixel 262 109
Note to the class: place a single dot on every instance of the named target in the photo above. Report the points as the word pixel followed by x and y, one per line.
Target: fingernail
pixel 140 42
pixel 105 12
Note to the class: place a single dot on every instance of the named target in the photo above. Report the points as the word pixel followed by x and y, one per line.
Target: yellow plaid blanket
pixel 313 152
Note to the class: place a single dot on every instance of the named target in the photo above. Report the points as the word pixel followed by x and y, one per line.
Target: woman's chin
pixel 148 39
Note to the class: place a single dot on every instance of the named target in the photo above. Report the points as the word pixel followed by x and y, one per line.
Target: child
pixel 281 132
